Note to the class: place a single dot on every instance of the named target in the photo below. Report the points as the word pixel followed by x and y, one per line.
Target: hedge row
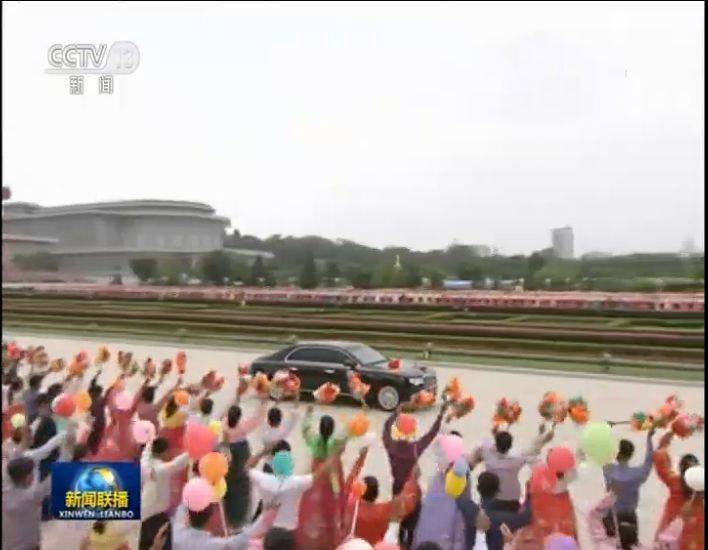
pixel 592 350
pixel 672 338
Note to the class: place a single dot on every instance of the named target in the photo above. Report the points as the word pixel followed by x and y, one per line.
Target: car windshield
pixel 366 355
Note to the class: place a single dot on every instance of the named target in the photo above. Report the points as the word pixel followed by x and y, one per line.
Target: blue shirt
pixel 497 516
pixel 626 480
pixel 30 401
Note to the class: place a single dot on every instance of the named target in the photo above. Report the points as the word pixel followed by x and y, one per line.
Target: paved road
pixel 609 398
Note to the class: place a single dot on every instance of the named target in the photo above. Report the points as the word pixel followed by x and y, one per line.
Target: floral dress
pixel 322 517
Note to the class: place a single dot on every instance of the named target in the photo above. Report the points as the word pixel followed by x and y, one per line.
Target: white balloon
pixel 695 478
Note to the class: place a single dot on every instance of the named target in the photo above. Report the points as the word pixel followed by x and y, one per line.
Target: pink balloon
pixel 143 431
pixel 199 440
pixel 561 459
pixel 197 494
pixel 543 480
pixel 124 401
pixel 452 447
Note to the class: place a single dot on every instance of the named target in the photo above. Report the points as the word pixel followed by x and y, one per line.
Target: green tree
pixel 239 271
pixel 561 273
pixel 698 270
pixel 536 262
pixel 331 273
pixel 436 279
pixel 269 278
pixel 309 277
pixel 170 270
pixel 361 278
pixel 470 272
pixel 144 268
pixel 258 272
pixel 40 261
pixel 215 267
pixel 412 276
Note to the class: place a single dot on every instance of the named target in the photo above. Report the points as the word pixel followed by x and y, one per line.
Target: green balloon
pixel 599 443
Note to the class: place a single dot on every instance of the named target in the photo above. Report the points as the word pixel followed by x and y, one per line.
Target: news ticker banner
pixel 96 490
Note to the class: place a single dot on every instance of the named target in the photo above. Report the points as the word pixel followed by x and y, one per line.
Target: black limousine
pixel 335 361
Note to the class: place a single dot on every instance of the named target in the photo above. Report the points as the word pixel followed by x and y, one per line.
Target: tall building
pixel 688 247
pixel 562 242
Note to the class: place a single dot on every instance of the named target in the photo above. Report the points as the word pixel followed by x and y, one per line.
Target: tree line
pixel 311 262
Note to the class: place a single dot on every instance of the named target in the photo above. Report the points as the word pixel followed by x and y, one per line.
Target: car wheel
pixel 388 398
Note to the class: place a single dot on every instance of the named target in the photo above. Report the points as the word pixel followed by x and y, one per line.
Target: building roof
pixel 82 251
pixel 145 207
pixel 14 237
pixel 112 205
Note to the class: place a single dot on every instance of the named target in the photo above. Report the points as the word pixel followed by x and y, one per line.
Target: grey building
pixel 481 250
pixel 562 242
pixel 101 239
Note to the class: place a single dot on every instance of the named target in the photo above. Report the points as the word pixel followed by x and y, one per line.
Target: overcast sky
pixel 413 125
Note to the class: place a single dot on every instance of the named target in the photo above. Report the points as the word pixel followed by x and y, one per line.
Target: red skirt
pixel 108 451
pixel 553 513
pixel 322 521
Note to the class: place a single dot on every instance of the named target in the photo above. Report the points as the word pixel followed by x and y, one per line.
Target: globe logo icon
pixel 98 479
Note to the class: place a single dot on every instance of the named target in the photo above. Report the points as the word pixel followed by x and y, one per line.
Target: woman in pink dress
pixel 117 444
pixel 322 518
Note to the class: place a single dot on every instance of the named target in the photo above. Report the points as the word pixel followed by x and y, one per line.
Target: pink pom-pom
pixel 197 494
pixel 560 460
pixel 124 401
pixel 143 431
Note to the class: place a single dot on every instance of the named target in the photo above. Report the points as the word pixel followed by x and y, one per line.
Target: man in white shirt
pixel 36 455
pixel 500 459
pixel 201 408
pixel 283 490
pixel 157 477
pixel 189 532
pixel 22 495
pixel 189 527
pixel 276 430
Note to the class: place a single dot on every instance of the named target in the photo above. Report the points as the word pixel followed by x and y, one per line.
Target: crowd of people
pixel 265 505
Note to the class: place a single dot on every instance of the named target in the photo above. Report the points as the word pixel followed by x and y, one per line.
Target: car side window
pixel 318 355
pixel 332 356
